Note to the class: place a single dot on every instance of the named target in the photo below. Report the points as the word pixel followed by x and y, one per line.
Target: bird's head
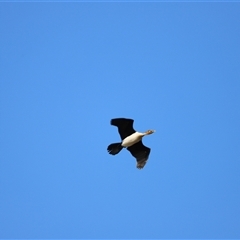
pixel 148 132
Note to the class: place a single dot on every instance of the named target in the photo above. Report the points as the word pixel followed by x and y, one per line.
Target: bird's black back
pixel 125 126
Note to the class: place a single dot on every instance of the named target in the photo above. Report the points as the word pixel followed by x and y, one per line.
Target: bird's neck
pixel 141 134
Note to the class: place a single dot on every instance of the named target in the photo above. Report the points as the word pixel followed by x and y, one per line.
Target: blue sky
pixel 68 68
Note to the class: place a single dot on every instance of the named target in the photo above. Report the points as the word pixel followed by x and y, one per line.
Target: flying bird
pixel 131 140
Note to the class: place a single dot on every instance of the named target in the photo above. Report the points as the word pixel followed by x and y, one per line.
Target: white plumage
pixel 132 139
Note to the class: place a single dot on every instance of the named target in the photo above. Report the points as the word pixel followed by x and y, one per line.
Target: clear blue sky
pixel 66 69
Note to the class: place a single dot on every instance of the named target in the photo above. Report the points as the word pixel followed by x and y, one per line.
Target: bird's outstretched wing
pixel 125 126
pixel 140 152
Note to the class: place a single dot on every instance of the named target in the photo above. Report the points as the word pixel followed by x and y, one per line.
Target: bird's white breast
pixel 132 139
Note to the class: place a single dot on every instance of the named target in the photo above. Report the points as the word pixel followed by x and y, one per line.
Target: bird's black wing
pixel 140 152
pixel 125 126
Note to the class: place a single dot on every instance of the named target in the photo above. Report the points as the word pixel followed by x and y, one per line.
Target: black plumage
pixel 140 152
pixel 124 125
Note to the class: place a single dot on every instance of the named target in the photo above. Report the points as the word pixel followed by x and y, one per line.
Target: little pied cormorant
pixel 131 140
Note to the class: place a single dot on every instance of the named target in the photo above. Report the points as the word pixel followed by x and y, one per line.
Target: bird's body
pixel 131 140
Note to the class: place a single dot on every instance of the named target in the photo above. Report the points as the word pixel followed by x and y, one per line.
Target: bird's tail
pixel 114 148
